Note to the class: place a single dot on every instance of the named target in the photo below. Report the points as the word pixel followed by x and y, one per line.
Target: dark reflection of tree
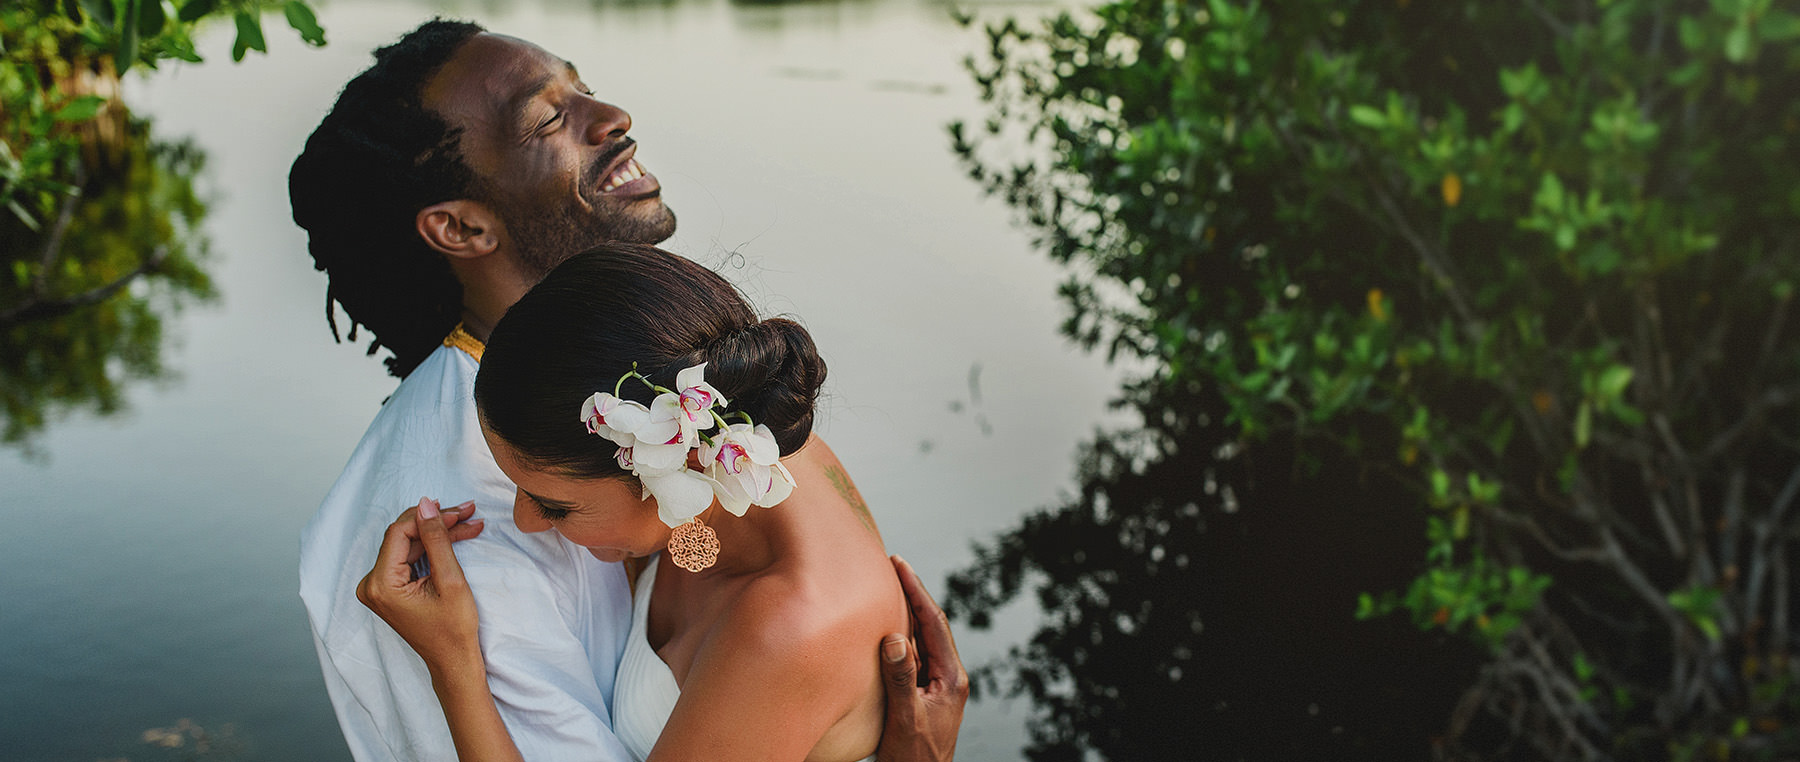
pixel 81 312
pixel 1183 621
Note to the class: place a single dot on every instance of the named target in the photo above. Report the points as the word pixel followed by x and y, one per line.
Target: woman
pixel 634 397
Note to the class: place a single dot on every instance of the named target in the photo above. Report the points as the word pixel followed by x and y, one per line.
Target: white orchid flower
pixel 667 424
pixel 649 458
pixel 697 397
pixel 781 484
pixel 746 464
pixel 680 495
pixel 742 462
pixel 614 418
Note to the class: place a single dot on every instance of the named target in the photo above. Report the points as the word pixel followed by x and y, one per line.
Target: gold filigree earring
pixel 694 546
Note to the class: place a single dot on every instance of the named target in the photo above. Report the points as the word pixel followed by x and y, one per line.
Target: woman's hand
pixel 433 613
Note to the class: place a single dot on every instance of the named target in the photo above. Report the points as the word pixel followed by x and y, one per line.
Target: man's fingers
pixel 436 539
pixel 900 673
pixel 897 666
pixel 936 643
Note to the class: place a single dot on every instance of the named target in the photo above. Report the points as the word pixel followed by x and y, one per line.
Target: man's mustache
pixel 597 171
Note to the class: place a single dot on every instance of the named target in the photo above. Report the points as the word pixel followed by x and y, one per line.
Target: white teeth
pixel 631 171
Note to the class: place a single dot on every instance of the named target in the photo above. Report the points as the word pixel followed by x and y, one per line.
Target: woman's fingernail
pixel 466 505
pixel 475 522
pixel 428 508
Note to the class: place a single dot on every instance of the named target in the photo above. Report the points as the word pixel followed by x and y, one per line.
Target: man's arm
pixel 923 716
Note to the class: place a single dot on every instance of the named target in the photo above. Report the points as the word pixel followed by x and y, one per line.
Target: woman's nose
pixel 525 514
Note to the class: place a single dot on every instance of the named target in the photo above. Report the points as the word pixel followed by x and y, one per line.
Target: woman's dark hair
pixel 581 329
pixel 377 159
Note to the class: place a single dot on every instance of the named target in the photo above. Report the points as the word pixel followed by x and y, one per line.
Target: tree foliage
pixel 99 221
pixel 1535 262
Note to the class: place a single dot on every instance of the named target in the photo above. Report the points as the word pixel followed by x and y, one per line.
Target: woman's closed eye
pixel 548 513
pixel 549 510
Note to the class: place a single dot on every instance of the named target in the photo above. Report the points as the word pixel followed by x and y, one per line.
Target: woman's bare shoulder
pixel 816 605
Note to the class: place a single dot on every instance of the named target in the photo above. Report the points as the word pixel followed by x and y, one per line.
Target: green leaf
pixel 1737 43
pixel 1584 425
pixel 1699 604
pixel 128 37
pixel 194 10
pixel 249 35
pixel 1550 193
pixel 1512 117
pixel 1693 36
pixel 1565 237
pixel 80 109
pixel 301 18
pixel 1613 381
pixel 150 18
pixel 1779 26
pixel 1584 669
pixel 101 11
pixel 1368 116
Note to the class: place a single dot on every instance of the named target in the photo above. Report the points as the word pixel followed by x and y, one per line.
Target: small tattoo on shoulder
pixel 847 490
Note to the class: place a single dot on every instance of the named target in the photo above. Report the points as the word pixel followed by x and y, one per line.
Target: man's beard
pixel 545 238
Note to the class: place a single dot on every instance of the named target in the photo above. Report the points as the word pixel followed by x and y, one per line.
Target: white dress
pixel 646 691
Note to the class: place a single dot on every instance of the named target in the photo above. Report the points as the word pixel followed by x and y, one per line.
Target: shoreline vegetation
pixel 1484 308
pixel 101 220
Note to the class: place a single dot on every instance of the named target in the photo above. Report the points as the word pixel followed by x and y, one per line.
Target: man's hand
pixel 923 716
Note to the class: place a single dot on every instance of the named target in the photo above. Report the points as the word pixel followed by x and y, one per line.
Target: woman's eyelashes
pixel 550 513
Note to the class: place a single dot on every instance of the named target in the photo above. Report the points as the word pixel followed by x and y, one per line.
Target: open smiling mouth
pixel 629 178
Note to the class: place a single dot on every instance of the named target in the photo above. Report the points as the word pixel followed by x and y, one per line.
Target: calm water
pixel 147 560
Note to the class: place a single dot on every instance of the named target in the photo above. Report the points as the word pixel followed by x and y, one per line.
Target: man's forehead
pixel 489 73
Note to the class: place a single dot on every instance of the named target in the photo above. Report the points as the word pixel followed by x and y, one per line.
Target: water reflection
pixel 190 740
pixel 81 314
pixel 1180 617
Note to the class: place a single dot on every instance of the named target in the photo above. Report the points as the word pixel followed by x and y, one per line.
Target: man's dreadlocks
pixel 377 159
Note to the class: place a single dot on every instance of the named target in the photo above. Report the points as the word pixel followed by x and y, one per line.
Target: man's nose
pixel 610 123
pixel 525 514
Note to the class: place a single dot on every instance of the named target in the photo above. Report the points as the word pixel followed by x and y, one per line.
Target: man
pixel 448 178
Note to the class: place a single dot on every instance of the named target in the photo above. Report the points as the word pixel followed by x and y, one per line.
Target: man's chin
pixel 649 221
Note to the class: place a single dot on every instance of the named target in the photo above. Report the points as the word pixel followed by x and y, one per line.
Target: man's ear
pixel 461 228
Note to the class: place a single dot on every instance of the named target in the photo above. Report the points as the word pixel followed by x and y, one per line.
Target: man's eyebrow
pixel 532 90
pixel 548 503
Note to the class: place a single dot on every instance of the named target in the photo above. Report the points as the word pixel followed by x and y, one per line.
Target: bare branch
pixel 1747 424
pixel 1767 549
pixel 1531 526
pixel 40 283
pixel 1556 25
pixel 34 309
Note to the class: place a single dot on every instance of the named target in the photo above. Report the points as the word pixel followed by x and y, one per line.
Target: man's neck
pixel 491 285
pixel 475 325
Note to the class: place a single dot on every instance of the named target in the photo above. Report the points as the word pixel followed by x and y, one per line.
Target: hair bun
pixel 772 371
